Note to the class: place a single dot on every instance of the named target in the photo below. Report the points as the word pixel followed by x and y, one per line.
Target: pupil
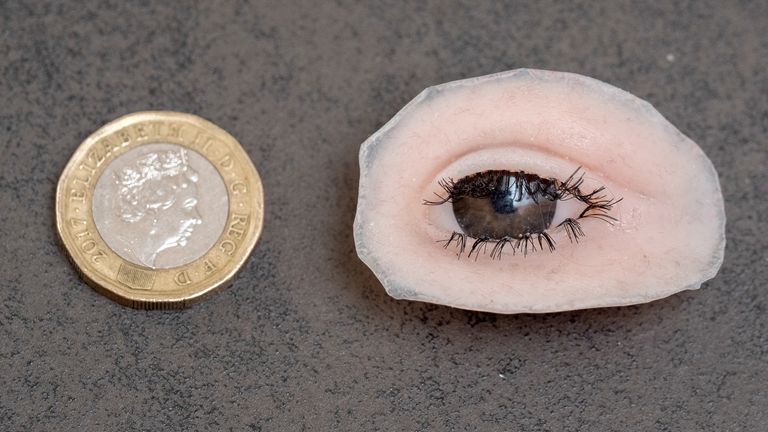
pixel 498 204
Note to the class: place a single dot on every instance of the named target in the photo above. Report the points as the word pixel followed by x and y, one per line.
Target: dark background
pixel 306 338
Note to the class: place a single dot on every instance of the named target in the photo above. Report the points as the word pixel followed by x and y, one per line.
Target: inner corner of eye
pixel 510 206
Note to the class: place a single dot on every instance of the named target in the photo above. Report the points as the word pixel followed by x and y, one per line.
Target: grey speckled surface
pixel 306 339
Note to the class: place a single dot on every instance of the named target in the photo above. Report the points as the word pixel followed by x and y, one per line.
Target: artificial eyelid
pixel 648 220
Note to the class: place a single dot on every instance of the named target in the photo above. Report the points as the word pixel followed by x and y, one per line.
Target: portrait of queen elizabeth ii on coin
pixel 158 209
pixel 160 205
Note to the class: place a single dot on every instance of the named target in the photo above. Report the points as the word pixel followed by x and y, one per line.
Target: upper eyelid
pixel 507 158
pixel 605 138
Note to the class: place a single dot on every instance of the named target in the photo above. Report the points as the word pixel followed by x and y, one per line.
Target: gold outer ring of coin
pixel 164 288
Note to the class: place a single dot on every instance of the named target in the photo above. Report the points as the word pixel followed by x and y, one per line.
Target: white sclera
pixel 160 205
pixel 670 235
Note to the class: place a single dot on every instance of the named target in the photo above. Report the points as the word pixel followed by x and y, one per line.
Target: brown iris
pixel 500 204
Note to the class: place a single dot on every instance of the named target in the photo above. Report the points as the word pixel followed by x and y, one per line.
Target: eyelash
pixel 597 206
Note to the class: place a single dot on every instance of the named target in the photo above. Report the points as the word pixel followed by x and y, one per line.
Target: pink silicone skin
pixel 669 237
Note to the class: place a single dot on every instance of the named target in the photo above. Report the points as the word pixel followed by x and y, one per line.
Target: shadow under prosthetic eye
pixel 568 193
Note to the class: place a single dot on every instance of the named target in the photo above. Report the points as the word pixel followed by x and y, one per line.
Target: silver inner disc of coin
pixel 160 205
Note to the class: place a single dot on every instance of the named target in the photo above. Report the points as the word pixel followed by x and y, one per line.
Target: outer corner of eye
pixel 536 191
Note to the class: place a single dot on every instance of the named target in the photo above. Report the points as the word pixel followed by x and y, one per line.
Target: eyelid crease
pixel 586 165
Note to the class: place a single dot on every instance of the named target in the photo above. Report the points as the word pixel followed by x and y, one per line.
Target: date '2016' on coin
pixel 157 209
